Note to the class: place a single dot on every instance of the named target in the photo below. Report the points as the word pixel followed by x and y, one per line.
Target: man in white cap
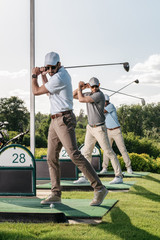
pixel 96 129
pixel 114 134
pixel 62 128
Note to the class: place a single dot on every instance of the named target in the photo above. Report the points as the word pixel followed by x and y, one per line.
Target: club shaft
pixel 121 88
pixel 94 65
pixel 120 93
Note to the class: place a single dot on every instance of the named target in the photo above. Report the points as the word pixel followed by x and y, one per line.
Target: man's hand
pixel 43 71
pixel 36 71
pixel 82 85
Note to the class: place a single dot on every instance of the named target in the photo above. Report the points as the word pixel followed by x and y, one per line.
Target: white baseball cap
pixel 93 81
pixel 51 58
pixel 106 97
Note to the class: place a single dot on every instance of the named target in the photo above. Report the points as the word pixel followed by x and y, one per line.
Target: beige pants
pixel 99 134
pixel 116 135
pixel 62 132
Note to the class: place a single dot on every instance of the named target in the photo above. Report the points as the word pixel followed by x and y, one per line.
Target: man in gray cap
pixel 96 129
pixel 62 127
pixel 114 134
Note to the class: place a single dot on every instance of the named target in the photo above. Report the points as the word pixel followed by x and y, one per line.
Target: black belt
pixel 60 114
pixel 96 125
pixel 113 128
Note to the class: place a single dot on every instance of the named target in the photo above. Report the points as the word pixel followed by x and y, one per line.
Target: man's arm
pixel 36 89
pixel 75 94
pixel 80 95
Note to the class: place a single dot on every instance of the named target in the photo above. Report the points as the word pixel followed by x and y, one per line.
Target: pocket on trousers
pixel 69 120
pixel 103 128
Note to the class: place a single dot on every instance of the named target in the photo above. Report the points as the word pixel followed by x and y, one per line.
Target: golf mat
pixel 70 186
pixel 125 174
pixel 30 210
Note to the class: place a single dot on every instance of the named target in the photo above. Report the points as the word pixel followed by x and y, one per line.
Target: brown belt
pixel 113 128
pixel 96 125
pixel 60 114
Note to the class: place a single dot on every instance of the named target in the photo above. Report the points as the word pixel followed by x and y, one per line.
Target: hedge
pixel 140 162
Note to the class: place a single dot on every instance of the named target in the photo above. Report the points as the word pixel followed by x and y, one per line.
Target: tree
pixel 14 112
pixel 44 126
pixel 144 121
pixel 39 118
pixel 131 119
pixel 151 122
pixel 81 120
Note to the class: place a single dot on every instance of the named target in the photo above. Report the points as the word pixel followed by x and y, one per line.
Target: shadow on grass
pixel 152 179
pixel 143 192
pixel 125 231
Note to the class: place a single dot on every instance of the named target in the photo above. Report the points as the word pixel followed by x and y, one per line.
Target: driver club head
pixel 126 66
pixel 143 101
pixel 136 81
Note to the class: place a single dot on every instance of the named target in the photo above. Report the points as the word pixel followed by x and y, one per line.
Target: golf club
pixel 125 65
pixel 142 99
pixel 136 81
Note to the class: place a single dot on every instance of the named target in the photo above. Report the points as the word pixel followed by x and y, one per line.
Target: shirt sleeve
pixel 54 85
pixel 96 96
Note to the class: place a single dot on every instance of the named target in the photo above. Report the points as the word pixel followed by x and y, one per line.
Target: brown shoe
pixel 51 199
pixel 99 196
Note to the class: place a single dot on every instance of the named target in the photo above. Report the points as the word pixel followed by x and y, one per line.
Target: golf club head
pixel 143 101
pixel 126 66
pixel 136 81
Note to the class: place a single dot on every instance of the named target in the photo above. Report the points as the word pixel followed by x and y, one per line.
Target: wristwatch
pixel 34 76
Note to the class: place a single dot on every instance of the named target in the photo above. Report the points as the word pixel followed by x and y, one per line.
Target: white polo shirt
pixel 60 88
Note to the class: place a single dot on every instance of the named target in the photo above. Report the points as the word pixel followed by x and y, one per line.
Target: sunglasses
pixel 95 86
pixel 52 68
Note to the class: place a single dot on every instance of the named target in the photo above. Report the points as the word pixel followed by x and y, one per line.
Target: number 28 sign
pixel 15 156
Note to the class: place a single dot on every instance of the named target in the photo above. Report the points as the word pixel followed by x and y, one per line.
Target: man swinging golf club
pixel 114 134
pixel 96 129
pixel 62 128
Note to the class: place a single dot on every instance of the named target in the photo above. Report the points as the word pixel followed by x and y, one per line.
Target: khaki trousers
pixel 62 132
pixel 116 135
pixel 94 134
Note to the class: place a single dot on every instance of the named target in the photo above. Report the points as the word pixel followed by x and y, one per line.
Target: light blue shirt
pixel 60 88
pixel 111 116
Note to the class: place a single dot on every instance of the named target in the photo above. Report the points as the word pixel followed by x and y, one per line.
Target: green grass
pixel 136 216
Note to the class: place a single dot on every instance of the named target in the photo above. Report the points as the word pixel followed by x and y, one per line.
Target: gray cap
pixel 93 81
pixel 51 58
pixel 106 97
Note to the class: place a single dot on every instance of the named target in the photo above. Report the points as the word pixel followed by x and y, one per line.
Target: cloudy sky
pixel 83 32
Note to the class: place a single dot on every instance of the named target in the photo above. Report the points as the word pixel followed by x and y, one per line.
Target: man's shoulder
pixel 61 75
pixel 110 106
pixel 98 94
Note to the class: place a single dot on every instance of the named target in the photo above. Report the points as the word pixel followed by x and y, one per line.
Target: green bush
pixel 142 162
pixel 80 136
pixel 40 141
pixel 39 152
pixel 137 145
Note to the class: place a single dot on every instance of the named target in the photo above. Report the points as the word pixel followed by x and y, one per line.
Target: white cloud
pixel 18 92
pixel 18 74
pixel 147 72
pixel 152 64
